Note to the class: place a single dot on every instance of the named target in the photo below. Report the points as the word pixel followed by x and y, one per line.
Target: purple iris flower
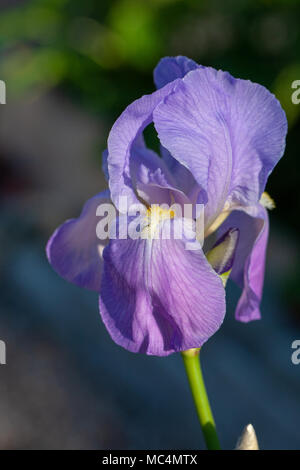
pixel 220 139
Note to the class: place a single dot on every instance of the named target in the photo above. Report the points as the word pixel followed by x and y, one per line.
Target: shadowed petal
pixel 74 251
pixel 105 164
pixel 222 255
pixel 152 179
pixel 157 297
pixel 229 133
pixel 170 68
pixel 149 175
pixel 249 266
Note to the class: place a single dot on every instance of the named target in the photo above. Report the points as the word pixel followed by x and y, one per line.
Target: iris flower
pixel 220 139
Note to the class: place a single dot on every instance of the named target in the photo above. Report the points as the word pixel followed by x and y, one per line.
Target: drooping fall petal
pixel 74 250
pixel 157 297
pixel 249 267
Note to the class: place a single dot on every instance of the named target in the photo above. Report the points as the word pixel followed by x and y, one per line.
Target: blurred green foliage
pixel 102 54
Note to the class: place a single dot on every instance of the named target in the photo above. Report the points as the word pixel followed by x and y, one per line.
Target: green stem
pixel 193 369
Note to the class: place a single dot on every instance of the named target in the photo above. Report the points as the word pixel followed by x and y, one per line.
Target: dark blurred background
pixel 70 68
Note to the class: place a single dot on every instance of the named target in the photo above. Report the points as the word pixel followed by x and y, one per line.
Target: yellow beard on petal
pixel 155 214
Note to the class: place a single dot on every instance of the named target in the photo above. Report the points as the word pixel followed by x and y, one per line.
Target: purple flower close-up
pixel 220 139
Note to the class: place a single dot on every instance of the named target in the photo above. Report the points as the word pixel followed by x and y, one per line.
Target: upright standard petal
pixel 74 250
pixel 158 297
pixel 170 68
pixel 122 135
pixel 249 265
pixel 228 132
